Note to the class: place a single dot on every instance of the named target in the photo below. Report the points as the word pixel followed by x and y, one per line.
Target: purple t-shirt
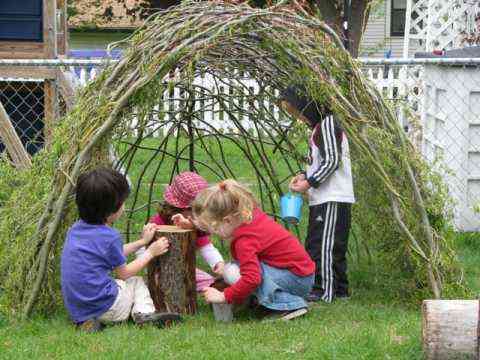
pixel 90 253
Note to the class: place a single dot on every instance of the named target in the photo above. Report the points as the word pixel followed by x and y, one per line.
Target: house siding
pixel 376 40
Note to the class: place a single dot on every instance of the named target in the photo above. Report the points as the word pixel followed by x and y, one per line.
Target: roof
pixel 467 52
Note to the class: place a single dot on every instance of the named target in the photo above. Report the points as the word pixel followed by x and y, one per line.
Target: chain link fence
pixel 443 101
pixel 437 101
pixel 24 103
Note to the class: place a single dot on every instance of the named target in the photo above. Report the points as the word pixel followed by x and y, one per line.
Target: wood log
pixel 451 329
pixel 12 142
pixel 171 277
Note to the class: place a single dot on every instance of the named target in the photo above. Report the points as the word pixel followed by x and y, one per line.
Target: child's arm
pixel 157 248
pixel 329 145
pixel 250 279
pixel 212 256
pixel 147 236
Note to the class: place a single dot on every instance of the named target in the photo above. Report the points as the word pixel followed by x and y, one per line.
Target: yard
pixel 368 326
pixel 395 257
pixel 375 323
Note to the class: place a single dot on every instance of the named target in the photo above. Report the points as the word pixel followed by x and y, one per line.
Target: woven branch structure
pixel 402 210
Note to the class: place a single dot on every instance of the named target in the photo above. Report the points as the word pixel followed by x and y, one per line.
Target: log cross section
pixel 450 329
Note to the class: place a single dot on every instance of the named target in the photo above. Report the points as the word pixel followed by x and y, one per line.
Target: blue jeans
pixel 283 290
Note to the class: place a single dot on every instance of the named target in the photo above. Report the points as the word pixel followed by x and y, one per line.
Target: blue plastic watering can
pixel 291 208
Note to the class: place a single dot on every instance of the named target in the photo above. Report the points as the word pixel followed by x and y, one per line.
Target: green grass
pixel 365 327
pixel 373 324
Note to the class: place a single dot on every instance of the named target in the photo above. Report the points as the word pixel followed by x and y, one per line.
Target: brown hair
pixel 166 211
pixel 227 198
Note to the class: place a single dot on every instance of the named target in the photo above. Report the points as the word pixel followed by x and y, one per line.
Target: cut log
pixel 451 329
pixel 171 277
pixel 12 142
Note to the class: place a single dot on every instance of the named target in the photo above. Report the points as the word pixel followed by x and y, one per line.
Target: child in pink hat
pixel 178 197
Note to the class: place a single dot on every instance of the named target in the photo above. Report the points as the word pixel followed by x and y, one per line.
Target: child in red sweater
pixel 273 265
pixel 176 210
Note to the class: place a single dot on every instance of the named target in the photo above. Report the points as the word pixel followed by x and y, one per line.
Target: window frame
pixel 393 11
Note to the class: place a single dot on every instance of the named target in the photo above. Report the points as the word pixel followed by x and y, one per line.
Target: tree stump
pixel 451 329
pixel 171 277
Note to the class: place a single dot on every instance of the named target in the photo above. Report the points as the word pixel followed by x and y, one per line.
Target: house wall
pixel 376 39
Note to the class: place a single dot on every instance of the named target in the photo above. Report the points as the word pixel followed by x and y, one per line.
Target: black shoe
pixel 342 295
pixel 90 326
pixel 156 318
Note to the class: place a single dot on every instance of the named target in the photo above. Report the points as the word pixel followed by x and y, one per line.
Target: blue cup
pixel 291 208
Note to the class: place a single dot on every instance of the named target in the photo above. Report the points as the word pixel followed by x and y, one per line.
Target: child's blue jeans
pixel 281 289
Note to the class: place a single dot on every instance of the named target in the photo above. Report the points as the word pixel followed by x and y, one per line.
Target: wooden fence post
pixel 12 142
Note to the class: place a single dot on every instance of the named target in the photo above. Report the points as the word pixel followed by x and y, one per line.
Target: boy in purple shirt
pixel 93 249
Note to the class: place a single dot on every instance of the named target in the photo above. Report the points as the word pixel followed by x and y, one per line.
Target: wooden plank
pixel 62 31
pixel 50 110
pixel 49 28
pixel 27 72
pixel 66 89
pixel 21 50
pixel 12 142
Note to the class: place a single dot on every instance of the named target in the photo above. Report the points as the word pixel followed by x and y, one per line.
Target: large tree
pixel 357 13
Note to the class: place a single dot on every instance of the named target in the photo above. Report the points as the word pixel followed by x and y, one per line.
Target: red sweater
pixel 264 240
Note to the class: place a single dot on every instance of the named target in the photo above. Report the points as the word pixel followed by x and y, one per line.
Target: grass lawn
pixel 371 325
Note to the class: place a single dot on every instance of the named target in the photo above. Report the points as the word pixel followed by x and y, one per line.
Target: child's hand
pixel 218 268
pixel 148 233
pixel 295 180
pixel 159 247
pixel 182 222
pixel 300 186
pixel 214 296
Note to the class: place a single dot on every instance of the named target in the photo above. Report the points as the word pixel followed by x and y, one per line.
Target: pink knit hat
pixel 183 189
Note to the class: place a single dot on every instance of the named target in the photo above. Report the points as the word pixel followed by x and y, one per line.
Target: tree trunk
pixel 450 329
pixel 171 277
pixel 331 12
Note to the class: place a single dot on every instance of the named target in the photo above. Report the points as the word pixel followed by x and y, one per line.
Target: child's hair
pixel 166 211
pixel 227 198
pixel 100 193
pixel 311 109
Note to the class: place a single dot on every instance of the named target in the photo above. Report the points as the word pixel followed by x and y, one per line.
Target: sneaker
pixel 314 297
pixel 157 318
pixel 90 326
pixel 285 315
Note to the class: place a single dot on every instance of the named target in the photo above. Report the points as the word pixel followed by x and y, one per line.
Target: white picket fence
pixel 443 95
pixel 399 83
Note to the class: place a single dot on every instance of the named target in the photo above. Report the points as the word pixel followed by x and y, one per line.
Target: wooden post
pixel 171 277
pixel 66 89
pixel 62 28
pixel 51 108
pixel 50 28
pixel 12 142
pixel 450 329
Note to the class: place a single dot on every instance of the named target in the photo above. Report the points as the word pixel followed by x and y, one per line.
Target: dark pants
pixel 327 244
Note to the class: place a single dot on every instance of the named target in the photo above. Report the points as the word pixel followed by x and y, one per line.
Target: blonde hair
pixel 227 198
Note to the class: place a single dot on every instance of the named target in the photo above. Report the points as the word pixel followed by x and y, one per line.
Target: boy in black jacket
pixel 328 181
